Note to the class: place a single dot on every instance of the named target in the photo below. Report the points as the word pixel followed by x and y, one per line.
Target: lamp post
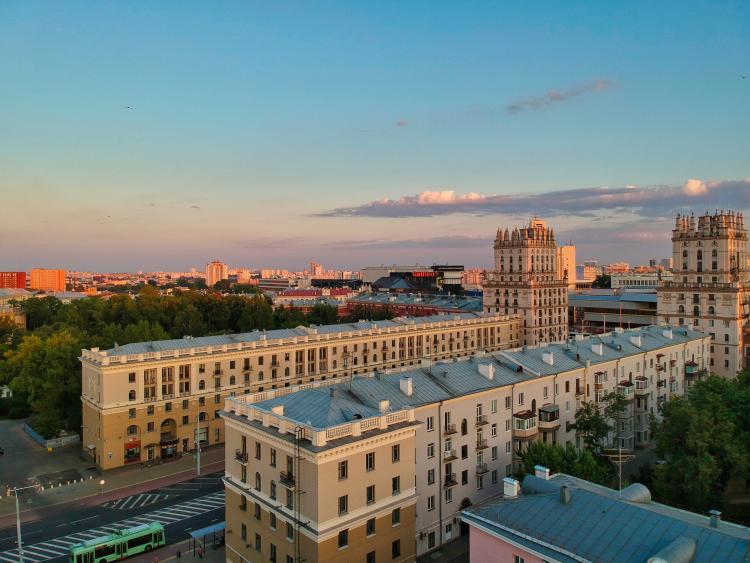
pixel 101 486
pixel 18 519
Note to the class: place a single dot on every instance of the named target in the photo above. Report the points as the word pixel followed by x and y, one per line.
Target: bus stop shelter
pixel 198 537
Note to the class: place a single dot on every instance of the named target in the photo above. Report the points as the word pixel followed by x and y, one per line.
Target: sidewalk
pixel 169 553
pixel 456 551
pixel 118 483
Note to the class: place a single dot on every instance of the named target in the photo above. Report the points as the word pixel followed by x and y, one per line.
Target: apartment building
pixel 215 272
pixel 150 400
pixel 710 287
pixel 528 281
pixel 475 415
pixel 47 280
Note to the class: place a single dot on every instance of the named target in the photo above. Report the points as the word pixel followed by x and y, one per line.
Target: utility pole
pixel 18 519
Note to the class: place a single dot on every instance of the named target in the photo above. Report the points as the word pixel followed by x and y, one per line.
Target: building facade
pixel 710 287
pixel 150 400
pixel 215 272
pixel 527 281
pixel 566 264
pixel 12 280
pixel 475 415
pixel 47 280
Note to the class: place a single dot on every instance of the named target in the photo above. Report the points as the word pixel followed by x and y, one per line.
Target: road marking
pixel 76 521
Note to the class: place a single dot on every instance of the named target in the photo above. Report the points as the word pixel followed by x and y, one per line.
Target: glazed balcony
pixel 626 389
pixel 549 417
pixel 525 425
pixel 641 386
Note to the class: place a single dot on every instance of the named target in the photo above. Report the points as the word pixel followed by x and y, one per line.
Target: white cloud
pixel 694 187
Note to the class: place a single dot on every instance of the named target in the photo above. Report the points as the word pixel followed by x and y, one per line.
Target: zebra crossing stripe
pixel 8 557
pixel 35 548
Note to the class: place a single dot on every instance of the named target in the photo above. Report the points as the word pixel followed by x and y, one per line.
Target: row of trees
pixel 41 364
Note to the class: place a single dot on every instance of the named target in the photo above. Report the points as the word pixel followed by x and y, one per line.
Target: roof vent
pixel 636 340
pixel 565 494
pixel 598 349
pixel 541 472
pixel 680 550
pixel 549 358
pixel 384 405
pixel 406 383
pixel 511 487
pixel 636 493
pixel 667 334
pixel 715 517
pixel 487 370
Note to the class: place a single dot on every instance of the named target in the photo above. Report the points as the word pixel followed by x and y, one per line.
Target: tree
pixel 188 322
pixel 563 459
pixel 615 409
pixel 245 288
pixel 591 426
pixel 322 314
pixel 40 311
pixel 222 285
pixel 602 282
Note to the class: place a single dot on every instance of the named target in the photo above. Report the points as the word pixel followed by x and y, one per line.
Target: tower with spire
pixel 710 288
pixel 526 281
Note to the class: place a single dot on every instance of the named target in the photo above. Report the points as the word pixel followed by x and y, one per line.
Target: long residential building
pixel 150 400
pixel 378 468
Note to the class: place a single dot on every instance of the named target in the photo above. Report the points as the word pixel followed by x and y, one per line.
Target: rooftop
pixel 453 302
pixel 600 524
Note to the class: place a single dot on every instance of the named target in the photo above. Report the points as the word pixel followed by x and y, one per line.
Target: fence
pixel 53 442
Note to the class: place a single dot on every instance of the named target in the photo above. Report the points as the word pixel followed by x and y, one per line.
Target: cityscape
pixel 332 283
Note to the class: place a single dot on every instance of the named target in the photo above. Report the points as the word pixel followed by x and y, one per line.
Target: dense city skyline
pixel 142 138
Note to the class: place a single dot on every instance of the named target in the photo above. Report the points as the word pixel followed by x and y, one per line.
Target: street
pixel 181 507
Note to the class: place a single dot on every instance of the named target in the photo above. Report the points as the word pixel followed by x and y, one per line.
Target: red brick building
pixel 15 280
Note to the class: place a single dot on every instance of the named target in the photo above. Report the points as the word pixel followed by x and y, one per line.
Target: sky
pixel 162 135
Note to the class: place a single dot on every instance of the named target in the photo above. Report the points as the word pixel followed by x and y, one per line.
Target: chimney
pixel 598 349
pixel 636 340
pixel 715 517
pixel 549 358
pixel 667 334
pixel 406 384
pixel 384 406
pixel 565 494
pixel 541 472
pixel 278 410
pixel 511 487
pixel 487 370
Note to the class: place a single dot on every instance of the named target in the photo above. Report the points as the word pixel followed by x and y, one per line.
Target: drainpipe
pixel 440 468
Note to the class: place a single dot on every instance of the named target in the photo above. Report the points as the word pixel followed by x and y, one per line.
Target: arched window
pixel 681 309
pixel 132 430
pixel 231 380
pixel 131 395
pixel 464 427
pixel 711 310
pixel 202 417
pixel 257 480
pixel 533 406
pixel 286 371
pixel 201 385
pixel 273 490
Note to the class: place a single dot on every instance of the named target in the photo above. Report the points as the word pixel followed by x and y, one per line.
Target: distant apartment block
pixel 12 280
pixel 417 305
pixel 151 400
pixel 215 272
pixel 384 463
pixel 710 287
pixel 47 280
pixel 563 518
pixel 528 282
pixel 640 280
pixel 601 310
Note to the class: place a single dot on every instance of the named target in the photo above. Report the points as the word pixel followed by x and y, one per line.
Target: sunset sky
pixel 145 135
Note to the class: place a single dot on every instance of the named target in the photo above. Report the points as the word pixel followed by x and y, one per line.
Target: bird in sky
pixel 128 107
pixel 743 76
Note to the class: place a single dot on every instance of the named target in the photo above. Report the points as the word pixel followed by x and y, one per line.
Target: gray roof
pixel 255 336
pixel 599 526
pixel 452 302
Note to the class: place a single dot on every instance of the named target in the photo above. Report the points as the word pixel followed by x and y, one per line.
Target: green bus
pixel 119 545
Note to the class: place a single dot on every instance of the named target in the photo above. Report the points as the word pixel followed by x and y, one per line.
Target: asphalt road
pixel 181 507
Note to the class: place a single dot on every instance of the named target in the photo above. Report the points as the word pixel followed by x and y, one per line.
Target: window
pixel 273 490
pixel 464 451
pixel 370 494
pixel 289 531
pixel 131 377
pixel 430 423
pixel 185 419
pixel 343 539
pixel 448 495
pixel 430 450
pixel 494 453
pixel 272 520
pixel 370 557
pixel 343 470
pixel 520 398
pixel 396 517
pixel 430 476
pixel 507 447
pixel 256 511
pixel 507 425
pixel 431 502
pixel 257 450
pixel 395 549
pixel 465 477
pixel 131 395
pixel 507 402
pixel 343 504
pixel 370 526
pixel 517 559
pixel 273 457
pixel 396 485
pixel 493 406
pixel 243 532
pixel 150 427
pixel 131 413
pixel 395 453
pixel 370 461
pixel 494 430
pixel 257 542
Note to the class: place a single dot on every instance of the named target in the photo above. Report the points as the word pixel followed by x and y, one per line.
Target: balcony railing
pixel 287 479
pixel 450 480
pixel 449 455
pixel 218 372
pixel 481 419
pixel 481 443
pixel 240 456
pixel 449 429
pixel 481 468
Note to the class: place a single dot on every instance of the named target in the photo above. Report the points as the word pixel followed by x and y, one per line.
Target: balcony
pixel 218 372
pixel 481 444
pixel 549 417
pixel 692 370
pixel 287 479
pixel 482 468
pixel 641 386
pixel 449 455
pixel 241 456
pixel 525 425
pixel 449 429
pixel 481 419
pixel 626 389
pixel 450 480
pixel 579 391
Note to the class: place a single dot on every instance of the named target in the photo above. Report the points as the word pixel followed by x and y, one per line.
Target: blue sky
pixel 262 133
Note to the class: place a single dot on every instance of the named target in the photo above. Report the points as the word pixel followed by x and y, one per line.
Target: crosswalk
pixel 59 547
pixel 135 501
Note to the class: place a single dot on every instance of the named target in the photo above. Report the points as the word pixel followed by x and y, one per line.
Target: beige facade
pixel 475 415
pixel 528 281
pixel 566 264
pixel 215 272
pixel 146 401
pixel 338 494
pixel 710 287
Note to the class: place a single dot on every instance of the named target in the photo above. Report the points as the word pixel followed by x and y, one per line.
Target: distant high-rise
pixel 215 272
pixel 315 269
pixel 566 263
pixel 527 281
pixel 47 280
pixel 13 280
pixel 710 287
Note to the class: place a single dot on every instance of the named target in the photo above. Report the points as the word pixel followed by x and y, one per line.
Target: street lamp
pixel 18 518
pixel 101 486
